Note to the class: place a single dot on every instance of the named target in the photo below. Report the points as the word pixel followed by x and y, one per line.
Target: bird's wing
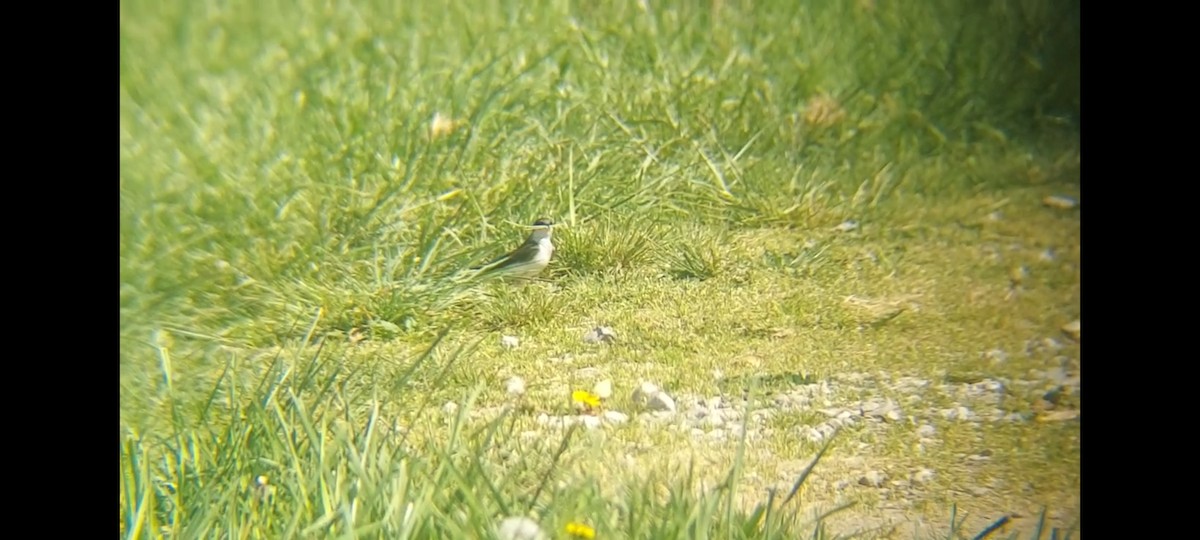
pixel 505 260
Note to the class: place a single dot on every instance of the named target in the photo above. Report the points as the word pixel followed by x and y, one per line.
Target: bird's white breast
pixel 545 251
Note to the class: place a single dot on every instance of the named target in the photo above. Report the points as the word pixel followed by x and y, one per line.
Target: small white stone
pixel 645 391
pixel 661 402
pixel 846 226
pixel 515 386
pixel 926 431
pixel 603 389
pixel 509 342
pixel 615 417
pixel 923 476
pixel 590 422
pixel 519 528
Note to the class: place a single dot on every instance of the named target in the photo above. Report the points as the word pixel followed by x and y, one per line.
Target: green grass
pixel 294 229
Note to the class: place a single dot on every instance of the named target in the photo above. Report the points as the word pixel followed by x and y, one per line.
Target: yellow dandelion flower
pixel 586 398
pixel 580 530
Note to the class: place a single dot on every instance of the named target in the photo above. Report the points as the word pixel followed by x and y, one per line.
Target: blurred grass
pixel 284 181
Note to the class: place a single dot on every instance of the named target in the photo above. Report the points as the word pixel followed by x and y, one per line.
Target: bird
pixel 528 260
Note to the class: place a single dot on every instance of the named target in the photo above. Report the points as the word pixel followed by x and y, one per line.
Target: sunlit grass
pixel 303 185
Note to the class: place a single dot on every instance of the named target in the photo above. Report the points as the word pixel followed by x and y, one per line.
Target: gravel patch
pixel 923 410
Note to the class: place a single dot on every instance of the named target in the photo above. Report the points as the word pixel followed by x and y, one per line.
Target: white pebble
pixel 616 417
pixel 645 391
pixel 661 402
pixel 515 386
pixel 603 389
pixel 519 528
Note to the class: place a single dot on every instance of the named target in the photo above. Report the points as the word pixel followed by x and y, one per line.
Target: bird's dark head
pixel 543 222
